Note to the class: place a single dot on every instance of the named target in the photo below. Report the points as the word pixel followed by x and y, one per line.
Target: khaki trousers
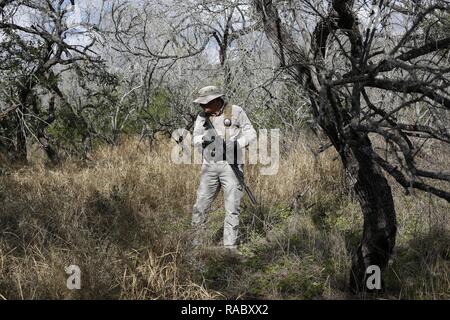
pixel 214 176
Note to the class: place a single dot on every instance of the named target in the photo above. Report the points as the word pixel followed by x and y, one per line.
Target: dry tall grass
pixel 124 218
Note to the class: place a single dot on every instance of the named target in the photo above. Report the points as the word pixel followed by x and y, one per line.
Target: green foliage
pixel 300 284
pixel 158 110
pixel 68 129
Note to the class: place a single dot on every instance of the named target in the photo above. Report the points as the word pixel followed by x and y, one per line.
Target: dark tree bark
pixel 374 195
pixel 87 147
pixel 42 136
pixel 373 192
pixel 49 151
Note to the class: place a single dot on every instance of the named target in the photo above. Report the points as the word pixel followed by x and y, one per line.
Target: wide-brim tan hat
pixel 207 94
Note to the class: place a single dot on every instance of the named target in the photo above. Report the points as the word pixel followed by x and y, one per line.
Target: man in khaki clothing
pixel 235 133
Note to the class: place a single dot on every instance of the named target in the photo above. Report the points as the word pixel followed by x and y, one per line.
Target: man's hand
pixel 218 149
pixel 206 141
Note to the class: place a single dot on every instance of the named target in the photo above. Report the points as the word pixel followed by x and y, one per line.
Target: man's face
pixel 212 106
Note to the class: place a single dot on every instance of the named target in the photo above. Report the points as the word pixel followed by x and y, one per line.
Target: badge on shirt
pixel 227 122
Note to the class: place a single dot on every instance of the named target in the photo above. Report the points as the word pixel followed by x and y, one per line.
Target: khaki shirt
pixel 241 129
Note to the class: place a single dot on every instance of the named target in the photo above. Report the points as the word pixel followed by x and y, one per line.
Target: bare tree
pixel 36 47
pixel 343 59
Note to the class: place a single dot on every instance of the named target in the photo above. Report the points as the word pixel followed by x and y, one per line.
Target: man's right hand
pixel 206 141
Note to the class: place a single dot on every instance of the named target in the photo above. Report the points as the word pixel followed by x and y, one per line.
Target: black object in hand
pixel 207 142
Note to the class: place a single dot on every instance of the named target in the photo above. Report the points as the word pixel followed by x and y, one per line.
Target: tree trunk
pixel 20 154
pixel 87 147
pixel 49 151
pixel 43 138
pixel 377 205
